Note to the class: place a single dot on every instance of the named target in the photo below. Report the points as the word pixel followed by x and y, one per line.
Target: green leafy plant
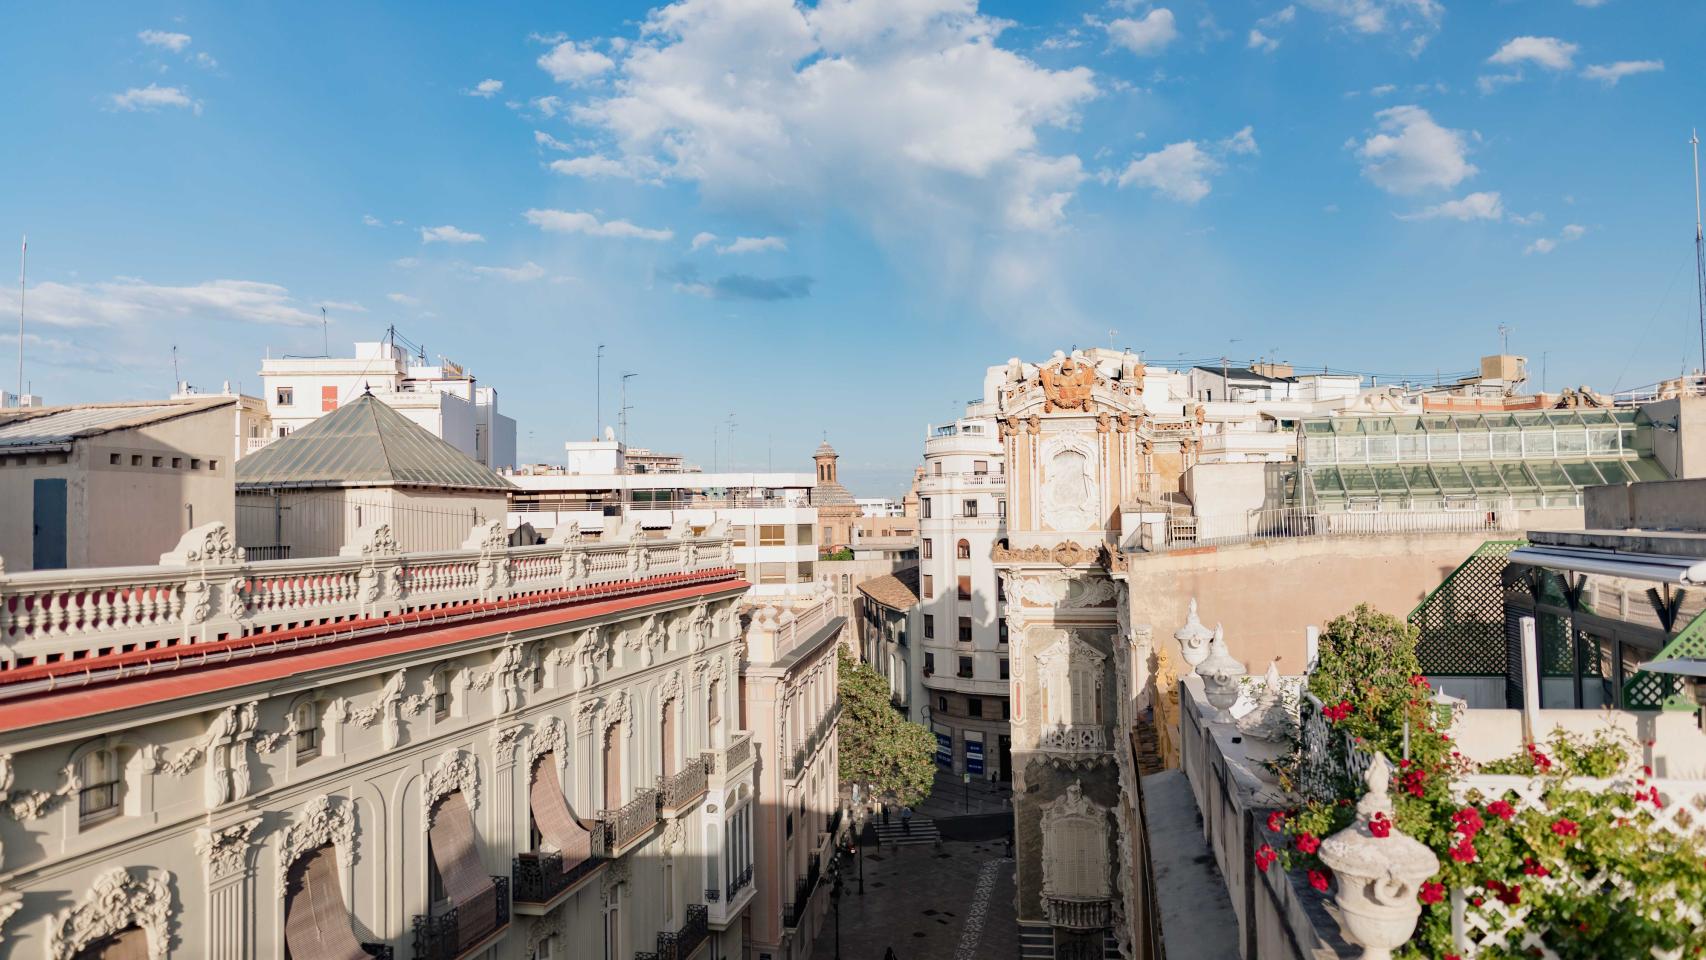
pixel 888 755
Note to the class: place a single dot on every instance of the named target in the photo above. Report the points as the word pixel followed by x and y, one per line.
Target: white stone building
pixel 499 752
pixel 442 397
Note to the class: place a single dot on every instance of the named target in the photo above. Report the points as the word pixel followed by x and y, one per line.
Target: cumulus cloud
pixel 1490 83
pixel 753 245
pixel 595 166
pixel 1573 231
pixel 1178 170
pixel 1418 20
pixel 1145 36
pixel 164 39
pixel 153 97
pixel 1545 245
pixel 1610 73
pixel 372 220
pixel 522 274
pixel 576 221
pixel 703 239
pixel 1475 206
pixel 127 302
pixel 736 286
pixel 572 62
pixel 1549 52
pixel 1261 41
pixel 1242 142
pixel 449 234
pixel 1542 246
pixel 486 88
pixel 1412 153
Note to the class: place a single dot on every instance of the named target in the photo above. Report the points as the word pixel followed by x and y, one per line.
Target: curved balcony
pixel 441 937
pixel 541 882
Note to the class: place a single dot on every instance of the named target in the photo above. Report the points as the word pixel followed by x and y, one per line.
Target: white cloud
pixel 1545 245
pixel 1417 19
pixel 1283 15
pixel 1475 206
pixel 153 97
pixel 1382 90
pixel 571 62
pixel 1573 231
pixel 342 306
pixel 1145 36
pixel 127 302
pixel 403 299
pixel 1549 52
pixel 702 239
pixel 1412 153
pixel 1540 246
pixel 1489 83
pixel 1610 73
pixel 544 139
pixel 753 245
pixel 1178 170
pixel 372 220
pixel 575 221
pixel 549 106
pixel 522 274
pixel 174 42
pixel 591 167
pixel 1261 41
pixel 407 263
pixel 548 39
pixel 1242 142
pixel 486 88
pixel 883 108
pixel 1591 3
pixel 205 61
pixel 449 234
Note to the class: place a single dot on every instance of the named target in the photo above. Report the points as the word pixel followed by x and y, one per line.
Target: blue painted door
pixel 49 549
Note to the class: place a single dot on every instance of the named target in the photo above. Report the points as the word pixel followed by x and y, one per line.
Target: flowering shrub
pixel 1587 864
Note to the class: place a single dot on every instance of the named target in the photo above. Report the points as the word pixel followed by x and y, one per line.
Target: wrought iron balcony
pixel 379 951
pixel 634 820
pixel 540 878
pixel 793 912
pixel 1078 914
pixel 679 944
pixel 682 789
pixel 440 937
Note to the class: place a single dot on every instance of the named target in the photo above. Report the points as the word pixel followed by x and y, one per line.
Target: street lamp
pixel 835 898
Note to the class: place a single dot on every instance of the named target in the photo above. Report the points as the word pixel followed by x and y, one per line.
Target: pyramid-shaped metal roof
pixel 364 443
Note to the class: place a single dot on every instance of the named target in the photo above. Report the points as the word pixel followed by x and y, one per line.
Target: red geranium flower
pixel 1380 826
pixel 1464 852
pixel 1265 857
pixel 1417 680
pixel 1276 821
pixel 1433 892
pixel 1564 828
pixel 1467 821
pixel 1318 880
pixel 1414 781
pixel 1534 869
pixel 1307 843
pixel 1501 809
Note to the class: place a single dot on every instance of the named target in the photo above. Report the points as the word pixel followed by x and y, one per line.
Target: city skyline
pixel 859 213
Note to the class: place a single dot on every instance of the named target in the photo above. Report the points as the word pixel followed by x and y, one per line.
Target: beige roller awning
pixel 316 924
pixel 551 814
pixel 466 884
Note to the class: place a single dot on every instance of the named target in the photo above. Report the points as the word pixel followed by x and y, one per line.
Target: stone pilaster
pixel 225 851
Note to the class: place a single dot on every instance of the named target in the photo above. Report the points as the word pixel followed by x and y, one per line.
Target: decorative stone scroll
pixel 322 820
pixel 210 543
pixel 1066 554
pixel 505 741
pixel 387 706
pixel 551 736
pixel 117 900
pixel 226 850
pixel 456 770
pixel 31 804
pixel 373 541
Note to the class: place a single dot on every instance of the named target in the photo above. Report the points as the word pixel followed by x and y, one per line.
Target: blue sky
pixel 831 218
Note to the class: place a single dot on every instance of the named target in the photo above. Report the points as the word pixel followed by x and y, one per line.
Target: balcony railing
pixel 739 749
pixel 793 912
pixel 1466 517
pixel 679 944
pixel 634 820
pixel 440 937
pixel 740 882
pixel 682 789
pixel 1078 914
pixel 814 740
pixel 87 626
pixel 540 878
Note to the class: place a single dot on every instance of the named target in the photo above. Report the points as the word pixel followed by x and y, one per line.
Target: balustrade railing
pixel 1078 914
pixel 632 821
pixel 1221 530
pixel 441 937
pixel 679 944
pixel 680 789
pixel 132 619
pixel 813 740
pixel 539 877
pixel 800 628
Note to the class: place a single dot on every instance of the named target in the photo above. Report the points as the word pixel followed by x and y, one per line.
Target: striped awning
pixel 316 923
pixel 557 824
pixel 466 884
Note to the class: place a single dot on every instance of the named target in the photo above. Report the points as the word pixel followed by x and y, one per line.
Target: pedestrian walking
pixel 889 954
pixel 886 822
pixel 906 820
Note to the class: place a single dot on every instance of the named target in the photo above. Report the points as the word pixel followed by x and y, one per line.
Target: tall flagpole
pixel 1699 252
pixel 23 266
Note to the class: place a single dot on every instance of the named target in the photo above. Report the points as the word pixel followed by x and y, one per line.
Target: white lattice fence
pixel 1325 771
pixel 1495 923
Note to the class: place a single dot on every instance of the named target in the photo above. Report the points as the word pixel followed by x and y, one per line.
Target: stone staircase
pixel 892 833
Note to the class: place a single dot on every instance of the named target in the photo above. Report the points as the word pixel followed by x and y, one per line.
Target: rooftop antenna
pixel 623 410
pixel 1504 339
pixel 23 266
pixel 325 333
pixel 1699 251
pixel 598 401
pixel 175 380
pixel 1112 333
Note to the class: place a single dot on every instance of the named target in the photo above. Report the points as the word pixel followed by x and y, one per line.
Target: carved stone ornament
pixel 387 706
pixel 1221 674
pixel 1272 720
pixel 1061 591
pixel 374 541
pixel 1067 384
pixel 322 820
pixel 1377 876
pixel 1193 639
pixel 565 534
pixel 1073 825
pixel 506 676
pixel 487 536
pixel 1066 554
pixel 236 604
pixel 1069 492
pixel 226 850
pixel 505 741
pixel 210 543
pixel 456 770
pixel 671 687
pixel 586 715
pixel 10 902
pixel 116 900
pixel 30 804
pixel 541 930
pixel 551 736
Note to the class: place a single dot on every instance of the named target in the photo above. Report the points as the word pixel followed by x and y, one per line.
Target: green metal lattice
pixel 1462 621
pixel 1661 691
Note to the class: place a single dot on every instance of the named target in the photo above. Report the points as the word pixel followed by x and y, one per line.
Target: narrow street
pixel 953 902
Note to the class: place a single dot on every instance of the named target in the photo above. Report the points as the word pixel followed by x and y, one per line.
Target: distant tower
pixel 825 458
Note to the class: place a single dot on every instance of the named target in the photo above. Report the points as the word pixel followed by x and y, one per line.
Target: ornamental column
pixel 230 889
pixel 503 818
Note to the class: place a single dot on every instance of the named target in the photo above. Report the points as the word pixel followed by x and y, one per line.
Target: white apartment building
pixel 961 638
pixel 443 397
pixel 880 507
pixel 770 515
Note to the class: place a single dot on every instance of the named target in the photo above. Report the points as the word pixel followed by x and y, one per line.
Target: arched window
pixel 962 550
pixel 666 736
pixel 102 795
pixel 613 767
pixel 306 719
pixel 131 942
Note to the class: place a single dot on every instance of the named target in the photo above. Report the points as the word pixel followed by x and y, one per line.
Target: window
pixel 942 704
pixel 112 459
pixel 1001 630
pixel 136 459
pixel 739 535
pixel 156 461
pixel 103 786
pixel 177 463
pixel 929 627
pixel 195 463
pixel 828 536
pixel 965 629
pixel 441 695
pixel 1001 508
pixel 929 586
pixel 1004 668
pixel 924 508
pixel 936 468
pixel 929 664
pixel 965 588
pixel 772 573
pixel 962 550
pixel 328 399
pixel 1006 710
pixel 772 535
pixel 805 531
pixel 286 398
pixel 929 550
pixel 980 467
pixel 213 464
pixel 306 719
pixel 965 668
pixel 805 573
pixel 974 707
pixel 1001 589
pixel 969 508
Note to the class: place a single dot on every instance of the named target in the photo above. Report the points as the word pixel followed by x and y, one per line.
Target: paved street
pixel 952 903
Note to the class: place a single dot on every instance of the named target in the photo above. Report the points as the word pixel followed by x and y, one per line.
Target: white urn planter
pixel 1193 639
pixel 1378 876
pixel 1220 675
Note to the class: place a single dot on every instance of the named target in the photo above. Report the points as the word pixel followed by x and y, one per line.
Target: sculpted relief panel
pixel 1070 497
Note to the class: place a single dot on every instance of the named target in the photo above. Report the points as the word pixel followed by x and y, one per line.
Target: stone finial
pixel 1220 674
pixel 373 541
pixel 1193 639
pixel 679 530
pixel 1271 720
pixel 210 543
pixel 565 534
pixel 487 536
pixel 1378 873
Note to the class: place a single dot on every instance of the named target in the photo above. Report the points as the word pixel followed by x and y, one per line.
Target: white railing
pixel 206 592
pixel 800 627
pixel 1467 517
pixel 1690 386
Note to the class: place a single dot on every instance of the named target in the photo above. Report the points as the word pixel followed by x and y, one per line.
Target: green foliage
pixel 880 749
pixel 845 553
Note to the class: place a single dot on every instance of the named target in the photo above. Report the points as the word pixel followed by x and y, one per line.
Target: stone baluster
pixel 1378 871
